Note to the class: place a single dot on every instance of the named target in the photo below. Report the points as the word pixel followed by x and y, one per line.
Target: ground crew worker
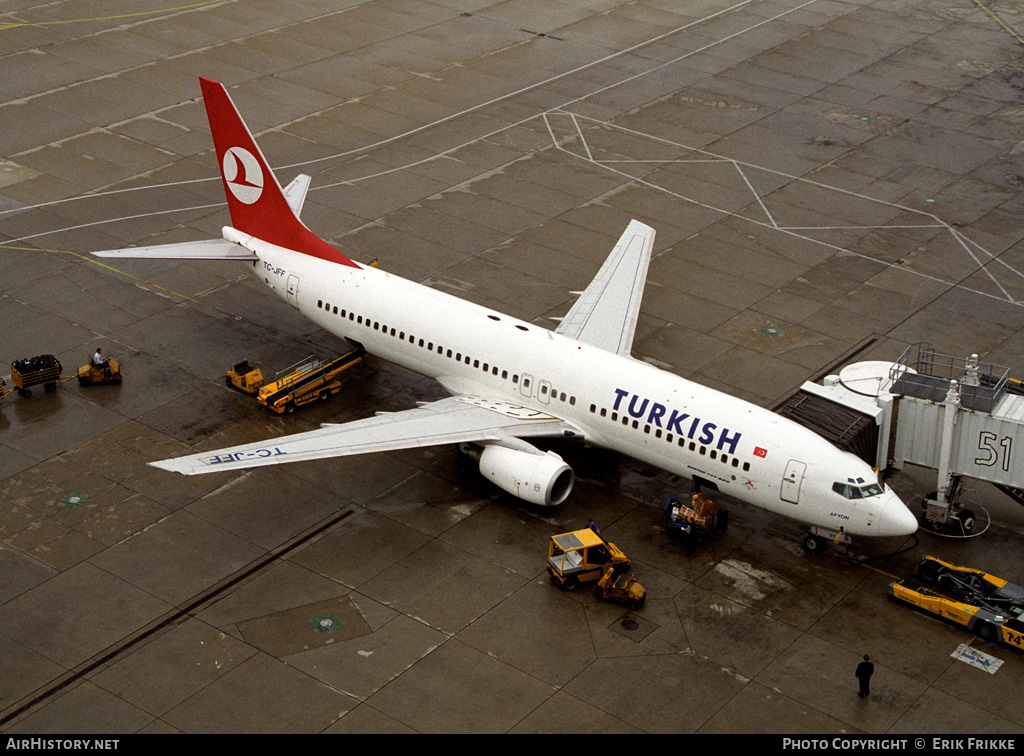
pixel 863 674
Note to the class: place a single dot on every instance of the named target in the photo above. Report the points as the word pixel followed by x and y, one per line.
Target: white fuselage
pixel 616 402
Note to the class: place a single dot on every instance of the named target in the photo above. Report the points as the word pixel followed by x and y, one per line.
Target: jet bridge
pixel 960 417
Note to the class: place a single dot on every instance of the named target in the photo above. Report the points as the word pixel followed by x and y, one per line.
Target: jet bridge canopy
pixel 846 427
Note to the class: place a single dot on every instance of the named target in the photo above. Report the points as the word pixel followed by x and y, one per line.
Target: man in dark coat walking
pixel 863 674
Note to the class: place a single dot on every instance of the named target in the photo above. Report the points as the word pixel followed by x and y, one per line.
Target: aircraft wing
pixel 605 315
pixel 448 421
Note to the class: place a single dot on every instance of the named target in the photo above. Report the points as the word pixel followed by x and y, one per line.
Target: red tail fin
pixel 255 199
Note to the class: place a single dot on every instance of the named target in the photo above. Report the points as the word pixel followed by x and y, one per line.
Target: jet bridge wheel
pixel 966 519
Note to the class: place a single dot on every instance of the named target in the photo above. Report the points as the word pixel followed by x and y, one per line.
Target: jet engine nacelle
pixel 539 478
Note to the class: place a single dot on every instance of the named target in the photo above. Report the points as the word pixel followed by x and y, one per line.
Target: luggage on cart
pixel 43 369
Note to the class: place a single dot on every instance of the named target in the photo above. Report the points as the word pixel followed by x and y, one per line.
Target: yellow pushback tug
pixel 984 604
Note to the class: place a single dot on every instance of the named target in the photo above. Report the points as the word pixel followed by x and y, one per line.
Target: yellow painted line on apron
pixel 15 24
pixel 88 259
pixel 999 21
pixel 880 572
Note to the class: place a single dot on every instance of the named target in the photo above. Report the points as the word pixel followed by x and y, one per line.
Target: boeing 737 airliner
pixel 511 381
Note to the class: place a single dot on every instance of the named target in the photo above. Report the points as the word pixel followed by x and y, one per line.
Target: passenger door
pixel 792 480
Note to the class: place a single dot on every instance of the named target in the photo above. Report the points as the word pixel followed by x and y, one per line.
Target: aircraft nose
pixel 896 519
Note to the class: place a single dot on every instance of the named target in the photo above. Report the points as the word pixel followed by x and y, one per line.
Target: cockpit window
pixel 853 491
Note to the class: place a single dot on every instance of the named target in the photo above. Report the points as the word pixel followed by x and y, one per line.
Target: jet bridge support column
pixel 937 511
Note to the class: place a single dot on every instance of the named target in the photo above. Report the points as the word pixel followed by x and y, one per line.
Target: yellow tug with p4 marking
pixel 309 381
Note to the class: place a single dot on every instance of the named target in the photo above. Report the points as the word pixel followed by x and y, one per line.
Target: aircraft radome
pixel 512 381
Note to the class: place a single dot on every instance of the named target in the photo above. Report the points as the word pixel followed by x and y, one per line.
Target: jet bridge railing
pixel 923 373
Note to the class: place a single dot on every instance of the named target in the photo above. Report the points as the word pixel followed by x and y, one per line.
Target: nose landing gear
pixel 818 539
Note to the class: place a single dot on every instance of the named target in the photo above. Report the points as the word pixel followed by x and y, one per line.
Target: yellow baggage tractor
pixel 245 378
pixel 618 584
pixel 97 375
pixel 43 369
pixel 984 604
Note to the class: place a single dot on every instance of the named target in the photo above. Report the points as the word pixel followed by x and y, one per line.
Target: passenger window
pixel 335 310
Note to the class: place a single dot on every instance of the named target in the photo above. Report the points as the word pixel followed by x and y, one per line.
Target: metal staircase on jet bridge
pixel 962 418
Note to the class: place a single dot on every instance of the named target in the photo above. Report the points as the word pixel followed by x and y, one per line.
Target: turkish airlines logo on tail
pixel 243 175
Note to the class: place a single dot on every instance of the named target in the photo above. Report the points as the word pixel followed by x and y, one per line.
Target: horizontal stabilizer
pixel 295 192
pixel 208 249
